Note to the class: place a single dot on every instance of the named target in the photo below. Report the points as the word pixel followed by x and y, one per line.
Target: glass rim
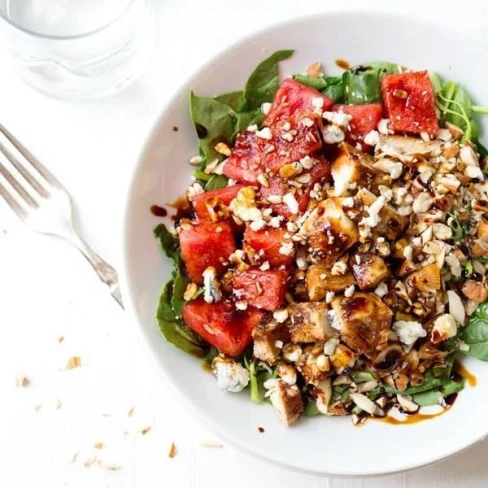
pixel 40 35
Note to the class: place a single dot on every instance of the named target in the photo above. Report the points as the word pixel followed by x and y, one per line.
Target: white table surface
pixel 49 291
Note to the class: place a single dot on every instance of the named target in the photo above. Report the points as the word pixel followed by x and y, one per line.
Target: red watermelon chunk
pixel 205 244
pixel 267 243
pixel 254 154
pixel 409 102
pixel 364 119
pixel 295 99
pixel 221 325
pixel 223 196
pixel 260 289
pixel 320 172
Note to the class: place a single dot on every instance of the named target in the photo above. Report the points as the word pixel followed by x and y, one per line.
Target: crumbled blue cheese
pixel 338 268
pixel 339 119
pixel 264 133
pixel 373 210
pixel 286 248
pixel 408 332
pixel 349 291
pixel 244 205
pixel 257 224
pixel 334 321
pixel 265 108
pixel 333 134
pixel 252 128
pixel 280 315
pixel 307 122
pixel 383 126
pixel 231 376
pixel 372 138
pixel 381 290
pixel 329 296
pixel 390 167
pixel 194 190
pixel 211 286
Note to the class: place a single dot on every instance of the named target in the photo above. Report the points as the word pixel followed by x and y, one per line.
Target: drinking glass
pixel 78 49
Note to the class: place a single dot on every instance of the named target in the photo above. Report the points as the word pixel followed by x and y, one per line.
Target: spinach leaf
pixel 264 81
pixel 428 398
pixel 332 86
pixel 318 83
pixel 361 376
pixel 335 88
pixel 245 119
pixel 211 355
pixel 168 242
pixel 214 122
pixel 363 85
pixel 235 100
pixel 436 82
pixel 475 334
pixel 165 310
pixel 173 330
pixel 433 397
pixel 311 410
pixel 385 67
pixel 179 287
pixel 216 181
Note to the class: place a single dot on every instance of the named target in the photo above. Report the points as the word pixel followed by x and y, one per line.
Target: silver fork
pixel 42 203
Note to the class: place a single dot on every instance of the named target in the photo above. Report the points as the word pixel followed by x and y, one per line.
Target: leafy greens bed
pixel 218 122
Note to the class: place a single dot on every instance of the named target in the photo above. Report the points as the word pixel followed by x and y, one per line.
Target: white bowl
pixel 329 446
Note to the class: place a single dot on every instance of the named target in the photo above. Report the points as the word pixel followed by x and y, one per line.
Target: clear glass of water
pixel 78 49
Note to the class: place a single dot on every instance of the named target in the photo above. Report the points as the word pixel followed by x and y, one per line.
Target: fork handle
pixel 105 272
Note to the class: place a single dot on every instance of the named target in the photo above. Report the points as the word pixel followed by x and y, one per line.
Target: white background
pixel 47 290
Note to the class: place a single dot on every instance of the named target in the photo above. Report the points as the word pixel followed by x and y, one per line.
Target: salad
pixel 332 257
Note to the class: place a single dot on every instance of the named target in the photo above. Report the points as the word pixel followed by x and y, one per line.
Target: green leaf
pixel 428 398
pixel 201 175
pixel 311 410
pixel 235 100
pixel 361 376
pixel 253 383
pixel 318 83
pixel 245 119
pixel 165 310
pixel 216 181
pixel 168 241
pixel 435 79
pixel 475 334
pixel 175 331
pixel 264 80
pixel 363 85
pixel 177 300
pixel 332 86
pixel 214 122
pixel 385 67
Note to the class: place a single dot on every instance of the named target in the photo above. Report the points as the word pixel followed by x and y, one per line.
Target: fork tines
pixel 24 180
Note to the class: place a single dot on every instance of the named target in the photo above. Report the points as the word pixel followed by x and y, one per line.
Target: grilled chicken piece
pixel 364 321
pixel 399 146
pixel 287 400
pixel 353 166
pixel 320 280
pixel 369 270
pixel 313 364
pixel 391 224
pixel 308 322
pixel 267 337
pixel 329 231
